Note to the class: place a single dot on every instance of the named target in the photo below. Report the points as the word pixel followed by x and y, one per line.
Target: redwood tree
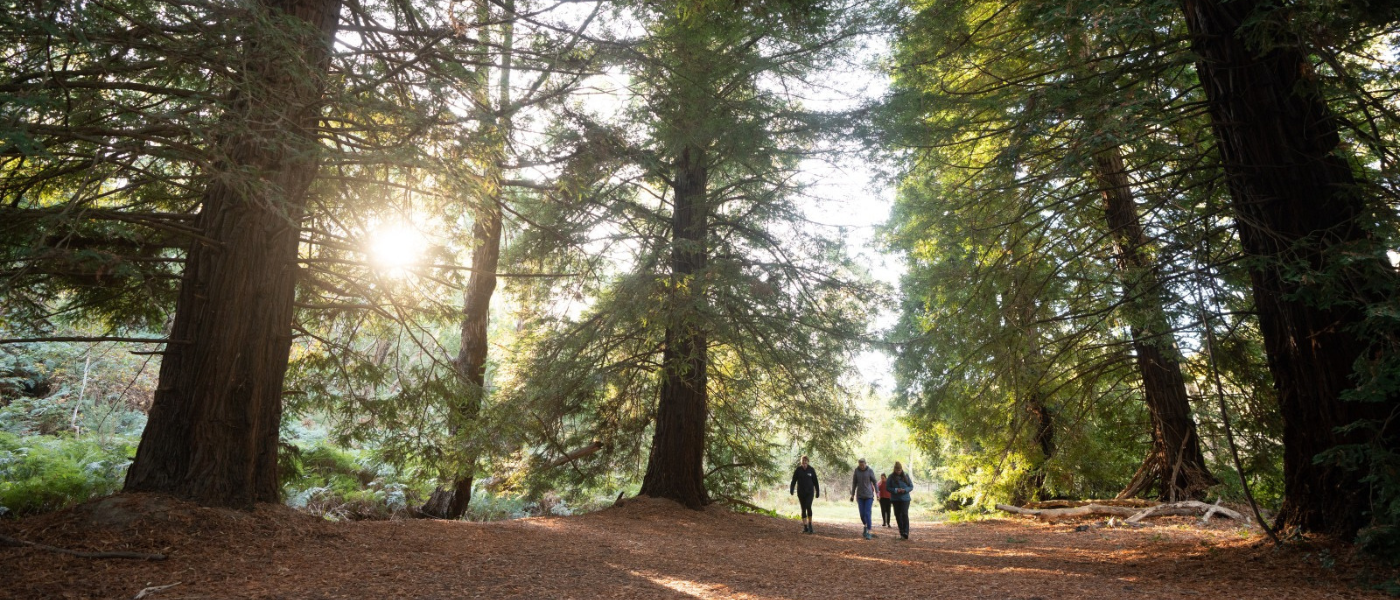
pixel 1301 217
pixel 1174 460
pixel 725 146
pixel 675 468
pixel 212 431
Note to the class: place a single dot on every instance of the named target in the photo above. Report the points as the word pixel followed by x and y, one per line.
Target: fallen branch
pixel 575 455
pixel 1133 514
pixel 153 590
pixel 738 502
pixel 1188 507
pixel 1076 511
pixel 1120 502
pixel 6 540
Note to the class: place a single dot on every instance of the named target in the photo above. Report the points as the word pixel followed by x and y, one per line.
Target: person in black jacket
pixel 804 482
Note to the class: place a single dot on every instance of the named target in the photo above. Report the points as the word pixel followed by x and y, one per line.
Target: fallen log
pixel 1188 507
pixel 1133 514
pixel 1128 502
pixel 1074 511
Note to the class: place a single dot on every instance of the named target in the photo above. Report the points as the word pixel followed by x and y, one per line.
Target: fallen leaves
pixel 647 549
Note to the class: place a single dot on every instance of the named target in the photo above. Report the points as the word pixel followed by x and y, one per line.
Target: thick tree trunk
pixel 1180 468
pixel 212 430
pixel 1297 207
pixel 675 469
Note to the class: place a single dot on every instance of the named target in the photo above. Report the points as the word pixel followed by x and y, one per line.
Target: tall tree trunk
pixel 486 256
pixel 675 469
pixel 1296 205
pixel 212 431
pixel 1179 465
pixel 1030 365
pixel 1033 486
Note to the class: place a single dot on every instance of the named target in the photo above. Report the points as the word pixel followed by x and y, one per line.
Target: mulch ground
pixel 648 549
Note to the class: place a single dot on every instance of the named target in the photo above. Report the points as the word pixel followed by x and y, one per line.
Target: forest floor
pixel 649 549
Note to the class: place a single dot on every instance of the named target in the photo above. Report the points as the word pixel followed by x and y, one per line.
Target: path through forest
pixel 646 549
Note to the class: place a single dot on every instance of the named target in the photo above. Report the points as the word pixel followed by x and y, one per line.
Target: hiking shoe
pixel 903 536
pixel 866 535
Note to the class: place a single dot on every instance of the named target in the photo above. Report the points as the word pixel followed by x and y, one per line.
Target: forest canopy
pixel 433 254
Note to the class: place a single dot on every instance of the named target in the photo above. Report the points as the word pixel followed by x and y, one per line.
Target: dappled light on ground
pixel 653 549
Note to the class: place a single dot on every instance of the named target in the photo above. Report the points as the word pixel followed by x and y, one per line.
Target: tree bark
pixel 481 284
pixel 212 431
pixel 1044 439
pixel 1180 467
pixel 675 469
pixel 1030 366
pixel 471 357
pixel 1297 206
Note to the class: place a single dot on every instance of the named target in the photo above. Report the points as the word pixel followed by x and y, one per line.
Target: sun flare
pixel 394 247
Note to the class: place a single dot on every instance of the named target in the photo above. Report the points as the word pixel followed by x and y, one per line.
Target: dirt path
pixel 647 549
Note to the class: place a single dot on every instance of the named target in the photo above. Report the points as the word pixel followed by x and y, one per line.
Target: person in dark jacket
pixel 884 503
pixel 804 482
pixel 900 485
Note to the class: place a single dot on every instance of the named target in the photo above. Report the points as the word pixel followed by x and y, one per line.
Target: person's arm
pixel 855 481
pixel 816 483
pixel 793 486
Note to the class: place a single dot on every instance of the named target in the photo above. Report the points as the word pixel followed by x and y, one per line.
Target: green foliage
pixel 1014 302
pixel 782 307
pixel 340 484
pixel 41 385
pixel 45 473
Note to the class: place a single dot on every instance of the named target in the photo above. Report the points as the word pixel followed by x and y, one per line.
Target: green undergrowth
pixel 354 484
pixel 42 473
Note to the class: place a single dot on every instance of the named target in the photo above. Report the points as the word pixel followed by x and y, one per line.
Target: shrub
pixel 45 473
pixel 344 484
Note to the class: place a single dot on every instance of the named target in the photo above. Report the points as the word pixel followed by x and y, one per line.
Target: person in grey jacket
pixel 863 486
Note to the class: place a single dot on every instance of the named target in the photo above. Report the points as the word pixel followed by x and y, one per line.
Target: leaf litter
pixel 650 548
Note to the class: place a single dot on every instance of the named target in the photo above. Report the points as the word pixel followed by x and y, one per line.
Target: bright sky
pixel 848 192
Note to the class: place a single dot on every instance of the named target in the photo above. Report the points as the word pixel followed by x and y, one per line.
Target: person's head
pixel 898 468
pixel 860 464
pixel 804 460
pixel 882 477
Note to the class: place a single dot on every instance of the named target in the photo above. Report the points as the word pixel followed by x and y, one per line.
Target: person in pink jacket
pixel 884 503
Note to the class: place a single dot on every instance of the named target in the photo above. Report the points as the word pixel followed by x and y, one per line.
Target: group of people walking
pixel 891 490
